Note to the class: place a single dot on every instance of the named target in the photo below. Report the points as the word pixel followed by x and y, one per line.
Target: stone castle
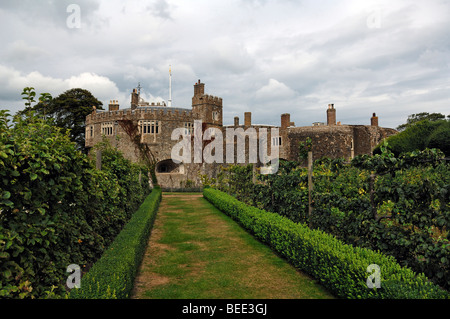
pixel 155 123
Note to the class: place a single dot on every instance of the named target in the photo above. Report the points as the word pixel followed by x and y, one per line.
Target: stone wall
pixel 332 140
pixel 335 141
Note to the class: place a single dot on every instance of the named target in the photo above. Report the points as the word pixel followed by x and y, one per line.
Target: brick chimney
pixel 374 120
pixel 199 88
pixel 285 120
pixel 236 121
pixel 248 118
pixel 113 105
pixel 331 115
pixel 134 99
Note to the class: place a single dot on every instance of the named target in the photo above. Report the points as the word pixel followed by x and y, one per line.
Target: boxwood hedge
pixel 339 267
pixel 112 276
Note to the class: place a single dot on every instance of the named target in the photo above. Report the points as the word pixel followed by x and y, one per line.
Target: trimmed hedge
pixel 112 276
pixel 339 267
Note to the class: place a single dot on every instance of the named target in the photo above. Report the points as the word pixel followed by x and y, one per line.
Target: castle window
pixel 276 141
pixel 215 116
pixel 89 131
pixel 188 128
pixel 108 128
pixel 149 127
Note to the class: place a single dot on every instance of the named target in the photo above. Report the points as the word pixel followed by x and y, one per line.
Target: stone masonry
pixel 156 122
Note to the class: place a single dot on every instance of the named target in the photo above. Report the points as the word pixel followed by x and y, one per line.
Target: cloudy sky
pixel 264 56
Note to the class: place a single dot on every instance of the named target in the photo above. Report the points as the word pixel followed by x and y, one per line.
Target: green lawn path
pixel 197 252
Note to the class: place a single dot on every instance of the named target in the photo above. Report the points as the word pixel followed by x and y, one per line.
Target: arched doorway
pixel 167 166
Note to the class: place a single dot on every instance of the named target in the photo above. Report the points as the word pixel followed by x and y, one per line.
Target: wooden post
pixel 99 159
pixel 310 182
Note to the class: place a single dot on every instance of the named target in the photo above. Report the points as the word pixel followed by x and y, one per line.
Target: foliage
pixel 56 209
pixel 340 267
pixel 285 192
pixel 415 118
pixel 419 136
pixel 112 276
pixel 395 204
pixel 131 128
pixel 69 110
pixel 304 148
pixel 440 138
pixel 398 205
pixel 28 95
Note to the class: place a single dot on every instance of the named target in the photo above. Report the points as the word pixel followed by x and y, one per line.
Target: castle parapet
pixel 211 99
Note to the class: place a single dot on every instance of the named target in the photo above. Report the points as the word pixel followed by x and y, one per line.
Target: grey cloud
pixel 37 12
pixel 316 52
pixel 161 9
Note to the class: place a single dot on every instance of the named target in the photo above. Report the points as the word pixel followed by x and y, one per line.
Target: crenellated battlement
pixel 144 113
pixel 200 98
pixel 211 99
pixel 207 99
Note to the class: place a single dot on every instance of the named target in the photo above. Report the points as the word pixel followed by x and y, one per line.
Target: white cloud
pixel 12 83
pixel 102 86
pixel 274 90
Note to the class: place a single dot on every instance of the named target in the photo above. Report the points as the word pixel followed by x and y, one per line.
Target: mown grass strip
pixel 197 252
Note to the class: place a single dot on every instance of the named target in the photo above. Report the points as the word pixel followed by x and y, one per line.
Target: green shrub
pixel 112 276
pixel 407 216
pixel 340 267
pixel 423 134
pixel 56 209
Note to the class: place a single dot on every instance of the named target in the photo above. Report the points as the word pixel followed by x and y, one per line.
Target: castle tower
pixel 208 108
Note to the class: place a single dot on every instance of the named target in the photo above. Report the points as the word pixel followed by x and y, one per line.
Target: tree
pixel 419 136
pixel 69 110
pixel 415 118
pixel 440 138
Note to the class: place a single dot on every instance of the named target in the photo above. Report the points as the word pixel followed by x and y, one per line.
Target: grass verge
pixel 197 252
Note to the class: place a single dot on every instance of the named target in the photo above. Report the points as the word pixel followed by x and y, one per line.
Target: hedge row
pixel 112 276
pixel 339 267
pixel 56 208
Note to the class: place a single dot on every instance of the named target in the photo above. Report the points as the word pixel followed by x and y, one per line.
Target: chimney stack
pixel 199 88
pixel 374 120
pixel 134 99
pixel 248 119
pixel 113 105
pixel 331 115
pixel 236 121
pixel 285 120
